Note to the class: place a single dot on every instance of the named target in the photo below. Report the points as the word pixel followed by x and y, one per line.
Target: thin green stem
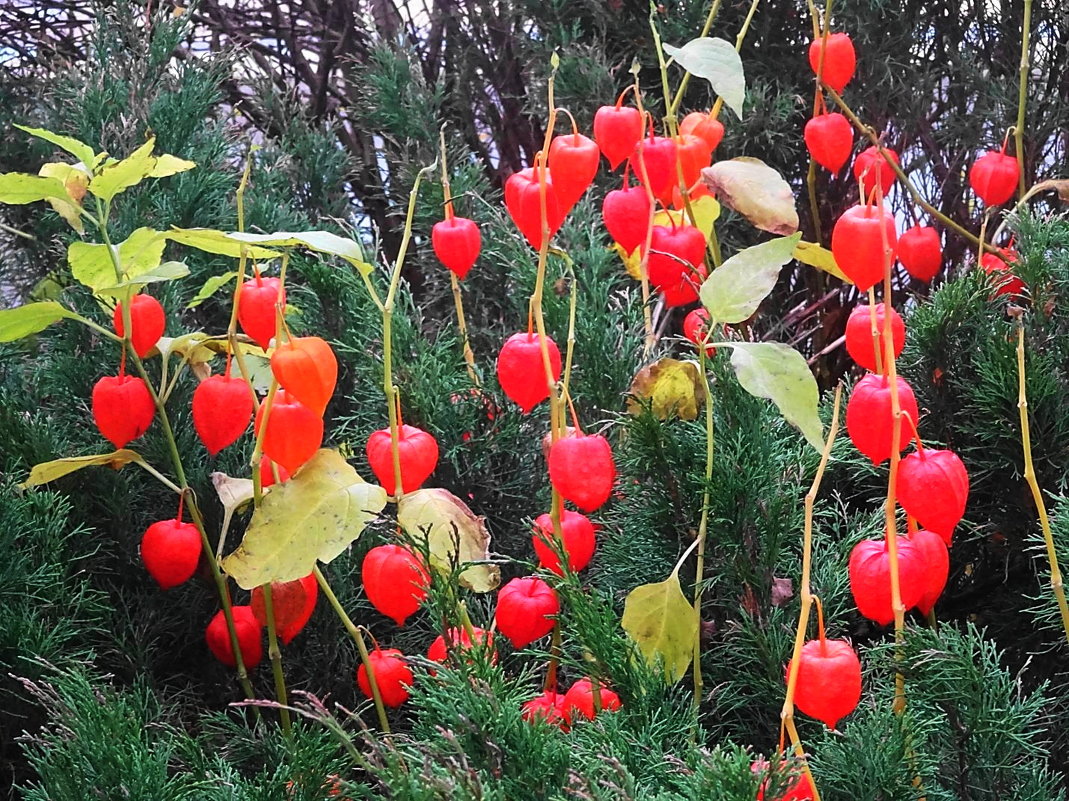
pixel 708 26
pixel 276 659
pixel 703 525
pixel 1022 97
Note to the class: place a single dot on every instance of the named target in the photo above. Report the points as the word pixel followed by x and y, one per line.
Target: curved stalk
pixel 276 660
pixel 703 526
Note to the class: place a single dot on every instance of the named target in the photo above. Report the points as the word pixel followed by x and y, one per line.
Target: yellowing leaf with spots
pixel 821 258
pixel 706 211
pixel 662 622
pixel 50 471
pixel 313 517
pixel 673 387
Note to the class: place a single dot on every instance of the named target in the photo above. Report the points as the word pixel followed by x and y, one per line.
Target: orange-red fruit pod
pixel 573 162
pixel 122 408
pixel 676 264
pixel 392 675
pixel 579 541
pixel 626 213
pixel 869 163
pixel 859 246
pixel 582 470
pixel 395 581
pixel 222 409
pixel 250 638
pixel 936 561
pixel 417 451
pixel 526 610
pixel 869 418
pixel 696 328
pixel 705 126
pixel 840 60
pixel 617 129
pixel 693 155
pixel 1006 283
pixel 457 244
pixel 579 700
pixel 461 641
pixel 829 680
pixel 994 177
pixel 256 308
pixel 306 368
pixel 933 487
pixel 829 138
pixel 292 603
pixel 921 252
pixel 870 577
pixel 549 707
pixel 657 155
pixel 523 199
pixel 147 322
pixel 801 788
pixel 521 372
pixel 267 474
pixel 294 432
pixel 859 335
pixel 171 550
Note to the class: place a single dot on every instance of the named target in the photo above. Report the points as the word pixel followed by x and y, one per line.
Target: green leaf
pixel 313 517
pixel 821 258
pixel 211 286
pixel 80 150
pixel 717 61
pixel 780 373
pixel 212 241
pixel 29 319
pixel 455 536
pixel 734 290
pixel 168 271
pixel 169 165
pixel 663 623
pixel 319 241
pixel 50 471
pixel 19 188
pixel 139 254
pixel 756 191
pixel 119 176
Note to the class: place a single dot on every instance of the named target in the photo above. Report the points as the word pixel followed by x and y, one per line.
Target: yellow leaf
pixel 169 165
pixel 50 471
pixel 821 258
pixel 118 176
pixel 632 262
pixel 313 517
pixel 455 536
pixel 662 622
pixel 673 387
pixel 756 191
pixel 75 181
pixel 706 212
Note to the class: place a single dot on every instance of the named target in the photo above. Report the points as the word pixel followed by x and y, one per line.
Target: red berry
pixel 840 60
pixel 294 432
pixel 704 126
pixel 523 199
pixel 395 581
pixel 801 788
pixel 829 138
pixel 521 371
pixel 457 244
pixel 676 264
pixel 222 409
pixel 829 680
pixel 933 487
pixel 869 419
pixel 994 177
pixel 292 603
pixel 417 451
pixel 256 308
pixel 617 129
pixel 858 244
pixel 866 165
pixel 461 642
pixel 573 162
pixel 920 251
pixel 859 335
pixel 870 578
pixel 147 322
pixel 626 213
pixel 1003 278
pixel 526 608
pixel 582 470
pixel 936 560
pixel 392 676
pixel 577 533
pixel 171 550
pixel 548 707
pixel 696 328
pixel 122 408
pixel 267 475
pixel 250 637
pixel 657 154
pixel 579 700
pixel 306 368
